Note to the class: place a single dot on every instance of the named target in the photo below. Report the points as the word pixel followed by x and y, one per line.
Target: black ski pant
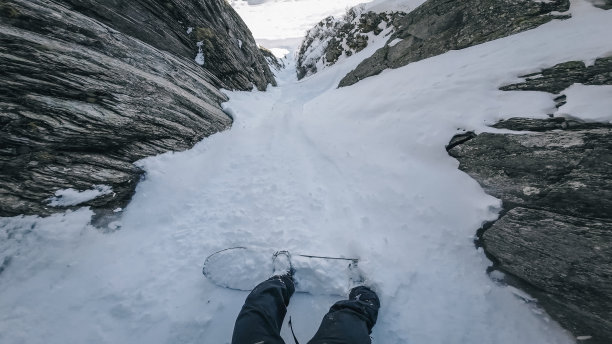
pixel 347 322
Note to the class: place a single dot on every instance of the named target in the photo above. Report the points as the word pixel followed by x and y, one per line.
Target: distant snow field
pixel 282 19
pixel 359 171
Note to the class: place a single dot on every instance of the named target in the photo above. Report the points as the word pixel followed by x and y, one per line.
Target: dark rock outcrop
pixel 89 87
pixel 559 77
pixel 556 233
pixel 438 26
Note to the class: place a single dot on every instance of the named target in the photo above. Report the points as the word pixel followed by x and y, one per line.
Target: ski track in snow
pixel 358 171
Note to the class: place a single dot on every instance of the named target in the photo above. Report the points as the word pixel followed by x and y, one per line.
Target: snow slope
pixel 358 171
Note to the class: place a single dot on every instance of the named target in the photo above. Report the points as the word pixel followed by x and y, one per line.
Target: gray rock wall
pixel 89 87
pixel 438 26
pixel 164 24
pixel 555 235
pixel 570 265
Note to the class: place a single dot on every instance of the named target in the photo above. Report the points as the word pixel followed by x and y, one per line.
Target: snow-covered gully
pixel 358 171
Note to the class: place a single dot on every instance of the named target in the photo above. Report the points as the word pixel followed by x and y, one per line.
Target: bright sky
pixel 273 20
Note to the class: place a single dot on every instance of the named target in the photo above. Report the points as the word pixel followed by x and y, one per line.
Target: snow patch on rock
pixel 69 197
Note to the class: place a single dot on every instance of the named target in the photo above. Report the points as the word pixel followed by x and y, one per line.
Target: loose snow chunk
pixel 69 197
pixel 589 103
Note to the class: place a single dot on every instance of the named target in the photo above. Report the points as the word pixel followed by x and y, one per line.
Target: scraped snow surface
pixel 358 171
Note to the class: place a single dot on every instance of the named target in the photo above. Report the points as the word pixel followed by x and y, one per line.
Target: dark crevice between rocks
pixel 104 217
pixel 460 139
pixel 478 239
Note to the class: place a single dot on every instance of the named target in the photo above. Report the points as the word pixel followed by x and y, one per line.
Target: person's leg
pixel 264 310
pixel 349 321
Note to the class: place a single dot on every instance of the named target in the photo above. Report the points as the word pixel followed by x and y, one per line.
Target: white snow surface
pixel 588 103
pixel 357 171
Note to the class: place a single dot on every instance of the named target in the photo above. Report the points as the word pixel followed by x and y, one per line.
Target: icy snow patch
pixel 70 197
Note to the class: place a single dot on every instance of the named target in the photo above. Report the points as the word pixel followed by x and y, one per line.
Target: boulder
pixel 438 26
pixel 555 234
pixel 89 87
pixel 567 260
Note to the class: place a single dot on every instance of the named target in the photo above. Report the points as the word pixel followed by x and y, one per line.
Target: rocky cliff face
pixel 438 26
pixel 554 237
pixel 89 87
pixel 333 38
